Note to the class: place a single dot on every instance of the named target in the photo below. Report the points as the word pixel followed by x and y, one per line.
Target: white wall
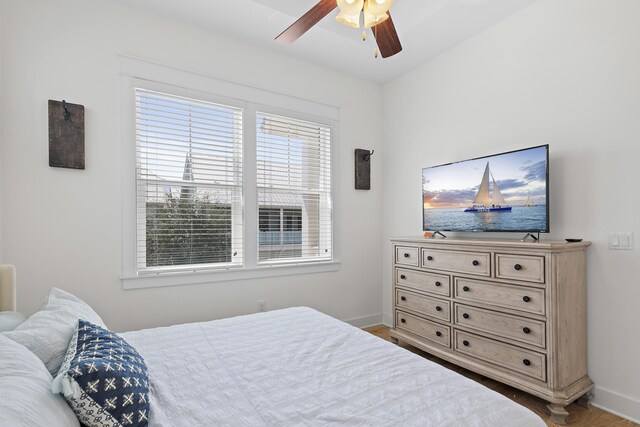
pixel 565 73
pixel 560 72
pixel 62 227
pixel 1 126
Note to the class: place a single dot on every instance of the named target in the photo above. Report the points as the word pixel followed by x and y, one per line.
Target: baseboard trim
pixel 365 321
pixel 616 403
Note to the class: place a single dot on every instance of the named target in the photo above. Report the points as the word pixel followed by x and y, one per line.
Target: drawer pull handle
pixel 476 262
pixel 438 333
pixel 406 255
pixel 465 315
pixel 465 343
pixel 438 308
pixel 526 362
pixel 403 298
pixel 526 299
pixel 518 267
pixel 526 330
pixel 402 276
pixel 438 284
pixel 429 258
pixel 466 289
pixel 403 321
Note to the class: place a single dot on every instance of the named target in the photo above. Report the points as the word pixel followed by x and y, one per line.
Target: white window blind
pixel 294 189
pixel 189 183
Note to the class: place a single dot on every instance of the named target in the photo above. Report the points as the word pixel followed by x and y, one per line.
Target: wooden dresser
pixel 509 310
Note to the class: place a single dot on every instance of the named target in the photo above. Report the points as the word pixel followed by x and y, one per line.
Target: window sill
pixel 200 277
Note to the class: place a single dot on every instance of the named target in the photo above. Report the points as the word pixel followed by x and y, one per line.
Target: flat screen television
pixel 506 192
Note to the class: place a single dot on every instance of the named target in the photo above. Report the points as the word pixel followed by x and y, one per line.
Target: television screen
pixel 503 192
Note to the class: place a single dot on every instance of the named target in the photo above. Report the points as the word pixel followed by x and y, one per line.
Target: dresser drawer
pixel 516 359
pixel 432 331
pixel 530 300
pixel 478 263
pixel 504 325
pixel 435 283
pixel 433 307
pixel 520 267
pixel 407 255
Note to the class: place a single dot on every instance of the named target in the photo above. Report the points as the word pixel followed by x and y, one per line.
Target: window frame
pixel 236 217
pixel 136 73
pixel 264 109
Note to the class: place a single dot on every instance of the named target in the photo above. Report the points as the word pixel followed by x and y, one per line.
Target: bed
pixel 299 367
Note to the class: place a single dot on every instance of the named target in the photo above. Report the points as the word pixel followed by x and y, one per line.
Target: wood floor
pixel 578 417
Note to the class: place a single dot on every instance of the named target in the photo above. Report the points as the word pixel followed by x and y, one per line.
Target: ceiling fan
pixel 373 14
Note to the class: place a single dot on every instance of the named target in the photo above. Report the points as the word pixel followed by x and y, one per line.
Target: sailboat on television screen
pixel 529 203
pixel 485 201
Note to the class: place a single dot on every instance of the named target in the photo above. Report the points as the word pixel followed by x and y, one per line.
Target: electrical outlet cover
pixel 621 241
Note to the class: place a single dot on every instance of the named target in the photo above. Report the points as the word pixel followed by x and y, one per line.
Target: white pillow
pixel 25 395
pixel 9 320
pixel 47 333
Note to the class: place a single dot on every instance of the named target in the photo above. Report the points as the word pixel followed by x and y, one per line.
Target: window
pixel 189 175
pixel 224 188
pixel 294 189
pixel 280 226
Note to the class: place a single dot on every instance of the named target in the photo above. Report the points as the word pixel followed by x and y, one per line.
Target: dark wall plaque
pixel 363 169
pixel 66 135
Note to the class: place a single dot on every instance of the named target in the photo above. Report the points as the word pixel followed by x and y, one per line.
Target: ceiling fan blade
pixel 387 38
pixel 308 20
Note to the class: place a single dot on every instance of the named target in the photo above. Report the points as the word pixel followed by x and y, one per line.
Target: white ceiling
pixel 426 28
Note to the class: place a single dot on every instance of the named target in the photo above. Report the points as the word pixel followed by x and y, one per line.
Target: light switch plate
pixel 621 241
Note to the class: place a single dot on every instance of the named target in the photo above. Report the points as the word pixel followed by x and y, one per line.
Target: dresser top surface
pixel 555 245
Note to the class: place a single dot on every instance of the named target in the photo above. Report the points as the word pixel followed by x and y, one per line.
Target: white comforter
pixel 298 367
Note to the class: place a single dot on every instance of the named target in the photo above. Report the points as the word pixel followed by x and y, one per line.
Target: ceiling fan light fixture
pixel 350 12
pixel 385 34
pixel 375 12
pixel 378 7
pixel 349 20
pixel 371 20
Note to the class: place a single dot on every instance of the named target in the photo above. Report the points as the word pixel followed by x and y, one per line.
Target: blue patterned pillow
pixel 104 379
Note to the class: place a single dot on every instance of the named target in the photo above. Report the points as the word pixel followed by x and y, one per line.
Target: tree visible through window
pixel 188 229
